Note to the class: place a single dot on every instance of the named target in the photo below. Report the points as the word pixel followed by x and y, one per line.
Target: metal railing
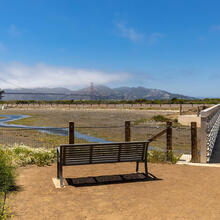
pixel 210 124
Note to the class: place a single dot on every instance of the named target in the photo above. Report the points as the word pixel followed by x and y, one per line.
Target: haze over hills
pixel 98 93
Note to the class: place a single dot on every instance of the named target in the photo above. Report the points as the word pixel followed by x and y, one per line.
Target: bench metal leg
pixel 61 175
pixel 146 168
pixel 145 160
pixel 58 170
pixel 137 166
pixel 58 164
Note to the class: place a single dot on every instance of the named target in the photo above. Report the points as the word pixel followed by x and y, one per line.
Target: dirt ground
pixel 183 192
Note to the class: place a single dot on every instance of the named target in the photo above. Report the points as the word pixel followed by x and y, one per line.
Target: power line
pixel 10 83
pixel 91 92
pixel 60 94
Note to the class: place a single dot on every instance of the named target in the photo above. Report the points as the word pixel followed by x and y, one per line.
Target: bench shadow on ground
pixel 111 179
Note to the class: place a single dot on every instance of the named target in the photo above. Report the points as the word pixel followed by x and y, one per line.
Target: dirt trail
pixel 185 192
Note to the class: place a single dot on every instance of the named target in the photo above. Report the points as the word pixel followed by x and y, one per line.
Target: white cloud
pixel 2 47
pixel 129 33
pixel 40 75
pixel 215 27
pixel 155 37
pixel 13 31
pixel 134 36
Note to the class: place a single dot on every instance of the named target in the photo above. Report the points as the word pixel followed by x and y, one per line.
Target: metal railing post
pixel 203 140
pixel 194 149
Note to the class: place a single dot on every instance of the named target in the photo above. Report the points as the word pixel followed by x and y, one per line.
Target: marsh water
pixel 48 130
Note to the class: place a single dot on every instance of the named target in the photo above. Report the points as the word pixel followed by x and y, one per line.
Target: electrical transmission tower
pixel 92 91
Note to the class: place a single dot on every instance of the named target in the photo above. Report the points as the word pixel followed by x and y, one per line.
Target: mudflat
pixel 183 192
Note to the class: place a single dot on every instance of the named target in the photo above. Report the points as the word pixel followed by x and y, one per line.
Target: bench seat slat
pixel 97 154
pixel 102 153
pixel 103 160
pixel 100 162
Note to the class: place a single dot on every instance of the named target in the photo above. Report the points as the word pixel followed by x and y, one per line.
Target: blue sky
pixel 172 45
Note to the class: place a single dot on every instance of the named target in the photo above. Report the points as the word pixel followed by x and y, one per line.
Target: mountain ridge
pixel 98 92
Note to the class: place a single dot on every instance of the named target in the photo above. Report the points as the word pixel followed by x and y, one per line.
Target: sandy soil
pixel 184 192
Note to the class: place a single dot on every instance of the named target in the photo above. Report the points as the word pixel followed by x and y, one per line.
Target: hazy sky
pixel 166 44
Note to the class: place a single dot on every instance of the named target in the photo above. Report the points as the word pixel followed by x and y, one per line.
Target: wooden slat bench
pixel 95 153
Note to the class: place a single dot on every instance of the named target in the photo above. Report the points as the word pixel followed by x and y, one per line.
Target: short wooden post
pixel 194 149
pixel 198 111
pixel 127 131
pixel 181 109
pixel 169 140
pixel 71 133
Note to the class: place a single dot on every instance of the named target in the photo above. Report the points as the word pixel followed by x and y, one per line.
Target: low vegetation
pixel 7 182
pixel 21 155
pixel 24 121
pixel 162 118
pixel 141 121
pixel 137 101
pixel 158 156
pixel 10 159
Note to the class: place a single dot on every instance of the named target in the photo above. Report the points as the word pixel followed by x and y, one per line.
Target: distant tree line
pixel 137 101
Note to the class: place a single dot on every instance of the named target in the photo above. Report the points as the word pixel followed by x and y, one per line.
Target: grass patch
pixel 29 121
pixel 141 121
pixel 160 118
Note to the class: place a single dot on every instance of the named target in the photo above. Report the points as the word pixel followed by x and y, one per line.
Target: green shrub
pixel 5 211
pixel 157 156
pixel 7 172
pixel 175 120
pixel 15 156
pixel 7 182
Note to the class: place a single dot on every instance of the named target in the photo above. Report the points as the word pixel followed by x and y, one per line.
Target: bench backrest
pixel 76 154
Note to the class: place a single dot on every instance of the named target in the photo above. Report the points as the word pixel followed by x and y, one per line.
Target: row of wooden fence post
pixel 169 134
pixel 128 134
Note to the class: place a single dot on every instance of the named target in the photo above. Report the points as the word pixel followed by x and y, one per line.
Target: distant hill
pixel 99 92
